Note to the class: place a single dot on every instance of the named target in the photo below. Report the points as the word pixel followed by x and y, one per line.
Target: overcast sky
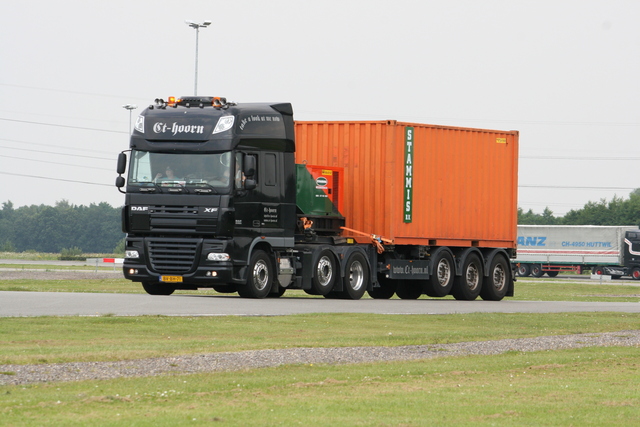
pixel 565 73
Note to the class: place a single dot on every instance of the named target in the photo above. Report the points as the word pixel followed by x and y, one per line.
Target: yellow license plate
pixel 173 279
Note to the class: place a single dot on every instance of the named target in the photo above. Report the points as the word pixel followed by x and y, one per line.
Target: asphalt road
pixel 88 304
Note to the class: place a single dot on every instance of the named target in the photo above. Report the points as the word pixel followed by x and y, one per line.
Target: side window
pixel 270 170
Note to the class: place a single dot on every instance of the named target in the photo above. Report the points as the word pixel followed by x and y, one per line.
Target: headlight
pixel 132 254
pixel 214 256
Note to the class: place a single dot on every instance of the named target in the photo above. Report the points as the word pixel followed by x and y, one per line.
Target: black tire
pixel 552 273
pixel 324 273
pixel 356 278
pixel 409 289
pixel 441 280
pixel 635 273
pixel 467 286
pixel 386 290
pixel 276 293
pixel 497 282
pixel 597 270
pixel 524 270
pixel 158 288
pixel 259 278
pixel 536 270
pixel 225 289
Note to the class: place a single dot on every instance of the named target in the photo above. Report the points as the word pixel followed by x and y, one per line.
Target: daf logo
pixel 140 208
pixel 210 210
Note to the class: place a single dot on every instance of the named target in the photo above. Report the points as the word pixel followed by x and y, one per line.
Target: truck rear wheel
pixel 524 270
pixel 467 286
pixel 536 270
pixel 497 284
pixel 386 289
pixel 324 273
pixel 158 288
pixel 260 277
pixel 356 276
pixel 441 280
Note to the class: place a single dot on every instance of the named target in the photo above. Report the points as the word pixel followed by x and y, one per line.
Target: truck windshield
pixel 171 169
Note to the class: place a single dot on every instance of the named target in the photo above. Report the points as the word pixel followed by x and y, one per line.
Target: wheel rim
pixel 443 273
pixel 472 276
pixel 499 277
pixel 261 275
pixel 324 271
pixel 356 275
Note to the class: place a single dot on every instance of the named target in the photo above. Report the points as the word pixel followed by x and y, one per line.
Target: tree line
pixel 92 229
pixel 97 229
pixel 617 211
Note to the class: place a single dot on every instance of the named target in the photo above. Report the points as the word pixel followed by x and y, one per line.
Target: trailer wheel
pixel 497 284
pixel 325 274
pixel 635 273
pixel 356 278
pixel 524 270
pixel 260 277
pixel 441 280
pixel 536 270
pixel 158 288
pixel 409 289
pixel 552 273
pixel 386 290
pixel 467 286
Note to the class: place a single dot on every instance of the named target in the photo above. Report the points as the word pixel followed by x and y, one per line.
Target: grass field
pixel 589 386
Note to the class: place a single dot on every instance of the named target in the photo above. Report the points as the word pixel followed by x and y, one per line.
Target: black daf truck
pixel 211 203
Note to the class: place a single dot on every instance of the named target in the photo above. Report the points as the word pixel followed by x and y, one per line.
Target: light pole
pixel 197 26
pixel 130 107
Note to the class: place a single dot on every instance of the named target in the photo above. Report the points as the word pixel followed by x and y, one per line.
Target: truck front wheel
pixel 635 273
pixel 260 277
pixel 157 288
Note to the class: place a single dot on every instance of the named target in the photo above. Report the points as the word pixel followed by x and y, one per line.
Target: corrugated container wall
pixel 461 183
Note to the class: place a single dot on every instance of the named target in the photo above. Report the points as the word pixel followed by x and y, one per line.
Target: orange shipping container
pixel 421 184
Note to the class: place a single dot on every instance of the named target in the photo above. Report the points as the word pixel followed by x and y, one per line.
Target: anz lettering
pixel 176 128
pixel 532 241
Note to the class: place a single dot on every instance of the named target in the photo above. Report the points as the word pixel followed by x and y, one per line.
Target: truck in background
pixel 605 250
pixel 240 198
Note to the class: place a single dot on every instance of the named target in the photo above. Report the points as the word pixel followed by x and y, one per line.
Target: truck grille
pixel 172 257
pixel 160 209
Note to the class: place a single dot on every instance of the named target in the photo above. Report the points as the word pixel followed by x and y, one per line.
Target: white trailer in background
pixel 550 249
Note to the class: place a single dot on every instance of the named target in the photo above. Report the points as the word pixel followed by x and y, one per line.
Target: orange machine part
pixel 464 181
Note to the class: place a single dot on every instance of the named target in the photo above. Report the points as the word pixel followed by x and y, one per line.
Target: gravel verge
pixel 233 361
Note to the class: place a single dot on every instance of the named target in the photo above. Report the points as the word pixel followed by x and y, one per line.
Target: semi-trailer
pixel 605 250
pixel 240 198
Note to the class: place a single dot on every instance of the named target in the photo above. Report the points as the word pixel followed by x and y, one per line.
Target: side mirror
pixel 119 182
pixel 122 163
pixel 249 167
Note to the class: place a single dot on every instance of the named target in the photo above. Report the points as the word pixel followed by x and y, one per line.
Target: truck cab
pixel 207 182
